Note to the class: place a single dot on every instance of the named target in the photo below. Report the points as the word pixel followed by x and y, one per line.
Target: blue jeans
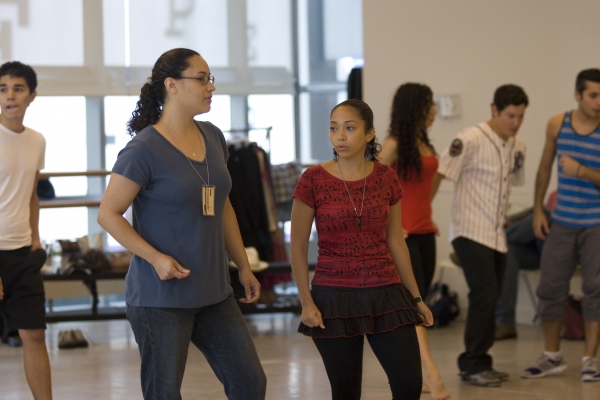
pixel 218 331
pixel 524 252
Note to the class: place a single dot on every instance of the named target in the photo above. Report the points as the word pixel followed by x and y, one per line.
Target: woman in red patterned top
pixel 363 284
pixel 408 150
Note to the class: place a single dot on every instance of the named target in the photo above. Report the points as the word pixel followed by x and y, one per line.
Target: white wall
pixel 469 48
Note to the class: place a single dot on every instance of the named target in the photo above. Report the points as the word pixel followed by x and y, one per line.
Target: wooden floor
pixel 109 368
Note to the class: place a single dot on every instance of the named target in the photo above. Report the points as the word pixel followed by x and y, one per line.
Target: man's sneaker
pixel 484 378
pixel 589 370
pixel 543 366
pixel 503 376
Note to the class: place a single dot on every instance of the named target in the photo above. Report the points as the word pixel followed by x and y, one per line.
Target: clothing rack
pixel 242 137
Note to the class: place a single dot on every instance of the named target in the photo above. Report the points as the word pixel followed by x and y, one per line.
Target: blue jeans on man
pixel 524 252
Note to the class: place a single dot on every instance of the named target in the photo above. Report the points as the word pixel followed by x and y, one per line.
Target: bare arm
pixel 235 248
pixel 117 198
pixel 542 179
pixel 34 215
pixel 302 219
pixel 399 250
pixel 435 186
pixel 388 154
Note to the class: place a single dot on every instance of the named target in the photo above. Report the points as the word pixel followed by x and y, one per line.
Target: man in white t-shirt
pixel 484 161
pixel 21 254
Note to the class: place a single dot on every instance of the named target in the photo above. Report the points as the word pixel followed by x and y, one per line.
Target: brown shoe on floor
pixel 79 339
pixel 505 332
pixel 66 340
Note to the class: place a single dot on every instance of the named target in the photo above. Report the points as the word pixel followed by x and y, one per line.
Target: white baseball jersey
pixel 483 167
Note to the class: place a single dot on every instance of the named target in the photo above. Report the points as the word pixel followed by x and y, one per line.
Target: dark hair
pixel 507 95
pixel 592 74
pixel 366 114
pixel 19 70
pixel 152 97
pixel 410 108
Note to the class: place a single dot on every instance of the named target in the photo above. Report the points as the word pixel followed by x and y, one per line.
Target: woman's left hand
pixel 250 284
pixel 425 314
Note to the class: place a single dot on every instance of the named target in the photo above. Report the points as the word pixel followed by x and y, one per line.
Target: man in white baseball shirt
pixel 484 161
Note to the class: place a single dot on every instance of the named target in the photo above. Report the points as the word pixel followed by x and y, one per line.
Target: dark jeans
pixel 422 257
pixel 483 268
pixel 218 331
pixel 396 350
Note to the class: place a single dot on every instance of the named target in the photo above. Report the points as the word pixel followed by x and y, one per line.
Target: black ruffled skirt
pixel 349 312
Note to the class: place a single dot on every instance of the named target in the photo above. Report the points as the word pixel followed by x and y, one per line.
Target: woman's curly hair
pixel 410 108
pixel 152 97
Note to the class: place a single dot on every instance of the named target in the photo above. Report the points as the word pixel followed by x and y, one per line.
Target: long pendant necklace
pixel 358 216
pixel 208 190
pixel 191 148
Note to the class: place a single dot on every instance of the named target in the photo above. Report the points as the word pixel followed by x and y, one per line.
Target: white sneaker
pixel 589 370
pixel 544 365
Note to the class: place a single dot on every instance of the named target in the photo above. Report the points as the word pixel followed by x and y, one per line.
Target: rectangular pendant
pixel 358 226
pixel 208 200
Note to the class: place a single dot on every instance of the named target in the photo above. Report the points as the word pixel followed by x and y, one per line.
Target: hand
pixel 251 286
pixel 168 268
pixel 570 167
pixel 540 225
pixel 425 314
pixel 311 316
pixel 404 233
pixel 1 290
pixel 437 230
pixel 36 245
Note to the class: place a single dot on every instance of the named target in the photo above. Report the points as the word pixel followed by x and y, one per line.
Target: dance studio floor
pixel 109 368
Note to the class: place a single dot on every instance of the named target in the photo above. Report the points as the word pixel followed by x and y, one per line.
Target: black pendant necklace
pixel 358 216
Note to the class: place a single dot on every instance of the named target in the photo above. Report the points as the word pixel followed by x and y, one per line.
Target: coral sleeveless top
pixel 416 203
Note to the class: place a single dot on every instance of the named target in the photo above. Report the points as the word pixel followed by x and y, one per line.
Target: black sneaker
pixel 487 378
pixel 66 340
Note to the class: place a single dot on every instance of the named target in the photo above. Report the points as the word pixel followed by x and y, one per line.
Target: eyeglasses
pixel 202 79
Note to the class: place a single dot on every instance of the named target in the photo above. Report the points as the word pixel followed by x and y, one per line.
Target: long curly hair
pixel 366 114
pixel 410 108
pixel 152 97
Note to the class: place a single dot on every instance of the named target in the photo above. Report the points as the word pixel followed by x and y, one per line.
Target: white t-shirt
pixel 483 167
pixel 21 156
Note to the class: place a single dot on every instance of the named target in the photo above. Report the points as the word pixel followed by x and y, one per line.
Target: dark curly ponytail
pixel 411 105
pixel 366 114
pixel 149 107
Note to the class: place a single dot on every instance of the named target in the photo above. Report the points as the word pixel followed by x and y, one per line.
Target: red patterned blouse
pixel 349 257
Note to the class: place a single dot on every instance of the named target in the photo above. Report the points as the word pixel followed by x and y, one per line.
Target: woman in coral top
pixel 408 150
pixel 363 284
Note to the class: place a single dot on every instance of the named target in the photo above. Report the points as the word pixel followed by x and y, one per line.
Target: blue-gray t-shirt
pixel 167 213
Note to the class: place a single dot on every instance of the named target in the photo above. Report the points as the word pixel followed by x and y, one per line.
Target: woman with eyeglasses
pixel 174 174
pixel 408 150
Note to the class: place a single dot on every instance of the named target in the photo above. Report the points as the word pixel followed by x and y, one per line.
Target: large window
pixel 279 64
pixel 62 121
